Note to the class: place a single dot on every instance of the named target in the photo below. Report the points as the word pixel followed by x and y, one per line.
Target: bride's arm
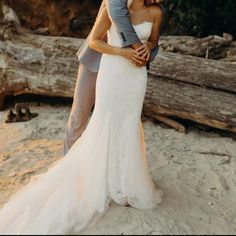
pixel 158 15
pixel 97 43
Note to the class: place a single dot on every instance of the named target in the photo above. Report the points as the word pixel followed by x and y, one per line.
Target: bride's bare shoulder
pixel 156 12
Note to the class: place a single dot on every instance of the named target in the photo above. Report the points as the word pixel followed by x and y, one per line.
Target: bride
pixel 108 162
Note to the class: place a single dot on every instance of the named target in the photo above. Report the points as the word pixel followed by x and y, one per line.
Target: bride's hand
pixel 144 51
pixel 132 55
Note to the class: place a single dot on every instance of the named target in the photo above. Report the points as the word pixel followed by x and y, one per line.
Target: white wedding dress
pixel 107 163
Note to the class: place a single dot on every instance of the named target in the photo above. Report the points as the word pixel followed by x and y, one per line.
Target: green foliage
pixel 200 17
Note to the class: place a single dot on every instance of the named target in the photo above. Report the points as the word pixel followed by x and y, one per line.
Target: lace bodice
pixel 143 31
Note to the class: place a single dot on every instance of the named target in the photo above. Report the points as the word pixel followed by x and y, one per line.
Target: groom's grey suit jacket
pixel 118 11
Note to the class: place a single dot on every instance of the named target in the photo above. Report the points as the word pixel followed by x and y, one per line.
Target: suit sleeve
pixel 119 14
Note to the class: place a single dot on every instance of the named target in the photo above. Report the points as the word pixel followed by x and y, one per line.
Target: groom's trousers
pixel 84 99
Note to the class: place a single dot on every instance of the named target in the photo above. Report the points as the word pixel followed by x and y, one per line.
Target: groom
pixel 84 95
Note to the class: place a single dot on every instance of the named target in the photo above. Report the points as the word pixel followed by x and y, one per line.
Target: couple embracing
pixel 104 160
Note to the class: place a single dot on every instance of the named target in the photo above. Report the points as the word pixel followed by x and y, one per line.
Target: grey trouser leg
pixel 84 99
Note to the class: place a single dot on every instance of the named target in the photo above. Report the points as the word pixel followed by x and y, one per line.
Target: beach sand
pixel 196 171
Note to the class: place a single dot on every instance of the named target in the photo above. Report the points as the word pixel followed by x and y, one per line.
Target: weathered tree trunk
pixel 231 54
pixel 195 70
pixel 38 65
pixel 211 47
pixel 192 88
pixel 206 106
pixel 179 86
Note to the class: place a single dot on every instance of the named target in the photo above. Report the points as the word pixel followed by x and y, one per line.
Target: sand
pixel 196 171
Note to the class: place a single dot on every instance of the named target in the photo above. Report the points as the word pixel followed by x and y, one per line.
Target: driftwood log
pixel 36 64
pixel 211 47
pixel 179 86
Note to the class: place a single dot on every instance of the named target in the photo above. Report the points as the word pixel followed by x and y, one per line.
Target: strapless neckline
pixel 144 22
pixel 142 29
